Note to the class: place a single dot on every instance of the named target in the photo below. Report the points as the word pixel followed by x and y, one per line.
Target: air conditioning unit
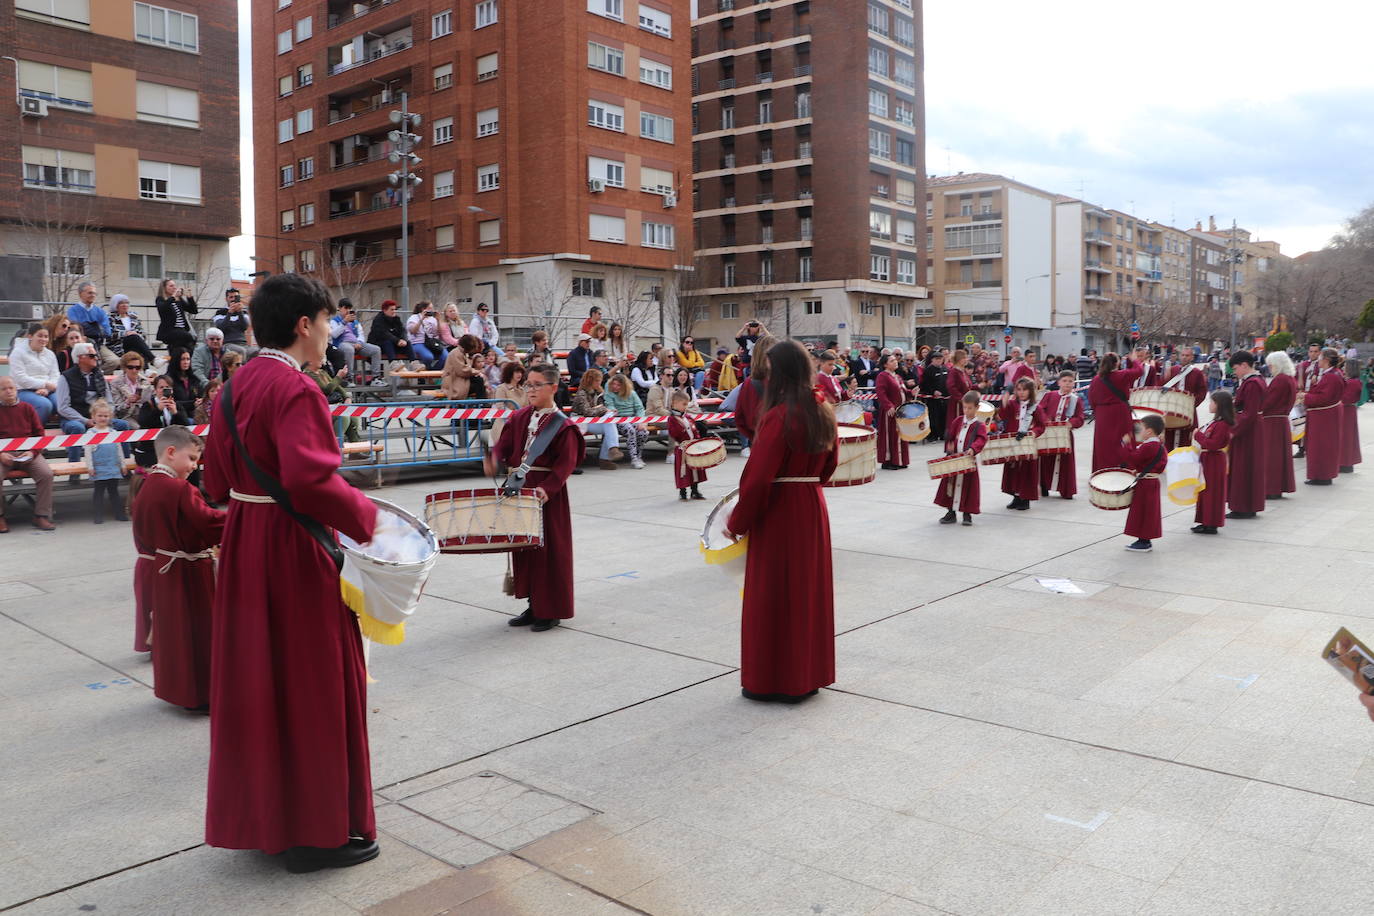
pixel 596 185
pixel 669 200
pixel 33 107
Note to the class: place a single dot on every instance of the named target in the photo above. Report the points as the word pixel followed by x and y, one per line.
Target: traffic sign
pixel 1007 330
pixel 1007 338
pixel 970 340
pixel 1135 327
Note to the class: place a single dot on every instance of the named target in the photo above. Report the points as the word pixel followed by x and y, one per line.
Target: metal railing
pixel 357 13
pixel 397 47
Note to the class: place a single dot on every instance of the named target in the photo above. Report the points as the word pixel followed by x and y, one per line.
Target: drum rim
pixel 416 522
pixel 486 491
pixel 860 432
pixel 720 443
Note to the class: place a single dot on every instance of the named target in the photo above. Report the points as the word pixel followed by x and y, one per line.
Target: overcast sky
pixel 1175 110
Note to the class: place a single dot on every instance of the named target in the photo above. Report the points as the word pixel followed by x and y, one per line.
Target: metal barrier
pixel 399 442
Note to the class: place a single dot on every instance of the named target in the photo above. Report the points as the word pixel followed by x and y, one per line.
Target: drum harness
pixel 516 479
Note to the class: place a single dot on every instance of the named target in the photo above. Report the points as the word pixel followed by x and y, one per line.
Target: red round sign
pixel 1007 338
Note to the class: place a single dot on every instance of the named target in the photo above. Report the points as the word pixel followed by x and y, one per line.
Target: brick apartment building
pixel 554 147
pixel 121 156
pixel 809 168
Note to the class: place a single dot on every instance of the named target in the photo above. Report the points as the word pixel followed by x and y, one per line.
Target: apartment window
pixel 307 214
pixel 765 111
pixel 61 86
pixel 606 115
pixel 803 104
pixel 443 76
pixel 488 122
pixel 305 121
pixel 877 19
pixel 145 267
pixel 877 62
pixel 288 220
pixel 489 230
pixel 305 28
pixel 488 177
pixel 805 273
pixel 288 263
pixel 156 25
pixel 904 113
pixel 307 259
pixel 59 170
pixel 285 130
pixel 906 231
pixel 656 21
pixel 656 235
pixel 879 224
pixel 904 30
pixel 611 9
pixel 895 309
pixel 906 152
pixel 877 102
pixel 656 127
pixel 879 267
pixel 879 143
pixel 607 228
pixel 727 275
pixel 443 238
pixel 487 66
pixel 69 13
pixel 164 181
pixel 443 130
pixel 305 75
pixel 589 287
pixel 906 271
pixel 655 181
pixel 765 270
pixel 805 226
pixel 441 24
pixel 655 74
pixel 283 41
pixel 284 87
pixel 729 309
pixel 904 74
pixel 305 168
pixel 906 191
pixel 443 184
pixel 607 170
pixel 171 105
pixel 288 175
pixel 607 59
pixel 486 14
pixel 983 239
pixel 727 117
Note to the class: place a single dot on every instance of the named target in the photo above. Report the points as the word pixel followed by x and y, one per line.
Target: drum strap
pixel 1111 386
pixel 272 487
pixel 516 479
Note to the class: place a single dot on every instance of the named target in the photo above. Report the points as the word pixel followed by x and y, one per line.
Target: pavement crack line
pixel 92 880
pixel 84 654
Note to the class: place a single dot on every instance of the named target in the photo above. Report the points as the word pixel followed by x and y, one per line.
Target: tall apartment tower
pixel 554 147
pixel 121 158
pixel 809 168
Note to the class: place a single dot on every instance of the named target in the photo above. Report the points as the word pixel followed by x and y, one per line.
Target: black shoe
pixel 577 470
pixel 1014 504
pixel 523 620
pixel 682 494
pixel 791 698
pixel 1279 496
pixel 98 520
pixel 545 623
pixel 1140 546
pixel 203 709
pixel 968 519
pixel 1242 514
pixel 1203 529
pixel 303 859
pixel 1044 491
pixel 696 494
pixel 1347 469
pixel 1317 483
pixel 121 517
pixel 949 518
pixel 776 697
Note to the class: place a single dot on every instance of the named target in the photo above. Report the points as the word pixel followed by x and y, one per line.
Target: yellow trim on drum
pixel 1197 487
pixel 722 555
pixel 388 634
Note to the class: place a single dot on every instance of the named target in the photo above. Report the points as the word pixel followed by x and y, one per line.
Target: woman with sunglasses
pixel 128 389
pixel 690 358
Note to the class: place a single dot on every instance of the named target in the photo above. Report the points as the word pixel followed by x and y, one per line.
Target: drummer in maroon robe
pixel 1022 418
pixel 1350 422
pixel 787 646
pixel 965 434
pixel 1246 484
pixel 1194 381
pixel 1324 402
pixel 682 430
pixel 1060 472
pixel 1307 376
pixel 289 760
pixel 1149 369
pixel 1277 430
pixel 1148 459
pixel 826 382
pixel 1212 440
pixel 1109 395
pixel 892 448
pixel 543 575
pixel 173 532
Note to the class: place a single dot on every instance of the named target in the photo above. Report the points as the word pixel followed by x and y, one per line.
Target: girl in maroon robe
pixel 1021 417
pixel 173 532
pixel 1213 439
pixel 751 394
pixel 681 430
pixel 957 381
pixel 1245 489
pixel 964 435
pixel 1148 459
pixel 1060 472
pixel 1109 395
pixel 1277 431
pixel 1324 405
pixel 892 449
pixel 1350 422
pixel 289 762
pixel 788 628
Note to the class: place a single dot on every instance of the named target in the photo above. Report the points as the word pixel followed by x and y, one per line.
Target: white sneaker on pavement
pixel 744 452
pixel 637 463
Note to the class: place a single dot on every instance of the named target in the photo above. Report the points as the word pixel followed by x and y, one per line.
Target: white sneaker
pixel 380 383
pixel 668 458
pixel 637 464
pixel 744 452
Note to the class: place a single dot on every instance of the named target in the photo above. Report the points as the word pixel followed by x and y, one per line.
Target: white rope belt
pixel 796 480
pixel 1327 407
pixel 176 555
pixel 250 497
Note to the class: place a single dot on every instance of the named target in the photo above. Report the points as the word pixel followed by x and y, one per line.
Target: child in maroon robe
pixel 175 576
pixel 1021 418
pixel 1147 459
pixel 1213 439
pixel 1060 472
pixel 892 448
pixel 681 430
pixel 1350 422
pixel 964 435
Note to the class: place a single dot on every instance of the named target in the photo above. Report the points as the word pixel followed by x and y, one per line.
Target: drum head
pixel 1113 481
pixel 912 411
pixel 400 538
pixel 713 533
pixel 849 412
pixel 703 446
pixel 852 433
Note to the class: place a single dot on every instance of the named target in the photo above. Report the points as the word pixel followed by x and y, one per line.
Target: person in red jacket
pixel 964 435
pixel 1021 418
pixel 1213 439
pixel 1324 404
pixel 1108 394
pixel 1148 459
pixel 892 449
pixel 18 420
pixel 1245 492
pixel 1276 428
pixel 1063 405
pixel 1350 422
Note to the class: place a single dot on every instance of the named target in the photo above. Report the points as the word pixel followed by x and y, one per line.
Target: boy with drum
pixel 965 435
pixel 1148 460
pixel 1060 471
pixel 683 430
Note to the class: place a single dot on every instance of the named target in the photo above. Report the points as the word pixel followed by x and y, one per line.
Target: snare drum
pixel 1173 404
pixel 1183 479
pixel 1006 447
pixel 1297 421
pixel 858 459
pixel 851 412
pixel 986 411
pixel 1055 440
pixel 913 422
pixel 484 521
pixel 951 465
pixel 718 550
pixel 1111 488
pixel 703 453
pixel 382 580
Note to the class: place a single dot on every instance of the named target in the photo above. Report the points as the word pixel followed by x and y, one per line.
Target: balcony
pixel 765 77
pixel 1152 249
pixel 726 83
pixel 804 149
pixel 1095 266
pixel 986 250
pixel 340 13
pixel 764 198
pixel 989 215
pixel 804 70
pixel 727 202
pixel 727 161
pixel 1094 237
pixel 1094 292
pixel 1151 276
pixel 987 284
pixel 342 59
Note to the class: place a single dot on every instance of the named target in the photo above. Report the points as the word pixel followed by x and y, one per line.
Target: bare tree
pixel 634 303
pixel 58 227
pixel 347 271
pixel 550 298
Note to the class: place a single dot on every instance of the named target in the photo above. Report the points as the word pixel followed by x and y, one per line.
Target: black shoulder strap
pixel 271 486
pixel 1111 386
pixel 542 439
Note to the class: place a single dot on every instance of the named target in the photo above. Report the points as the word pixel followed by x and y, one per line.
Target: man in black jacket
pixel 77 389
pixel 865 368
pixel 389 333
pixel 579 359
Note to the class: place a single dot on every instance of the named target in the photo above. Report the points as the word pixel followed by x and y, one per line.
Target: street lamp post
pixel 958 321
pixel 405 179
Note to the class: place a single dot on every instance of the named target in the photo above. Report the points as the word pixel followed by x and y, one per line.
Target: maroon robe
pixel 1245 487
pixel 1021 479
pixel 545 575
pixel 681 430
pixel 289 761
pixel 1060 472
pixel 892 449
pixel 747 407
pixel 1211 502
pixel 1111 417
pixel 829 386
pixel 787 640
pixel 1279 396
pixel 169 514
pixel 1195 383
pixel 1324 423
pixel 1350 424
pixel 1020 370
pixel 1143 519
pixel 1307 375
pixel 1150 377
pixel 962 492
pixel 957 383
